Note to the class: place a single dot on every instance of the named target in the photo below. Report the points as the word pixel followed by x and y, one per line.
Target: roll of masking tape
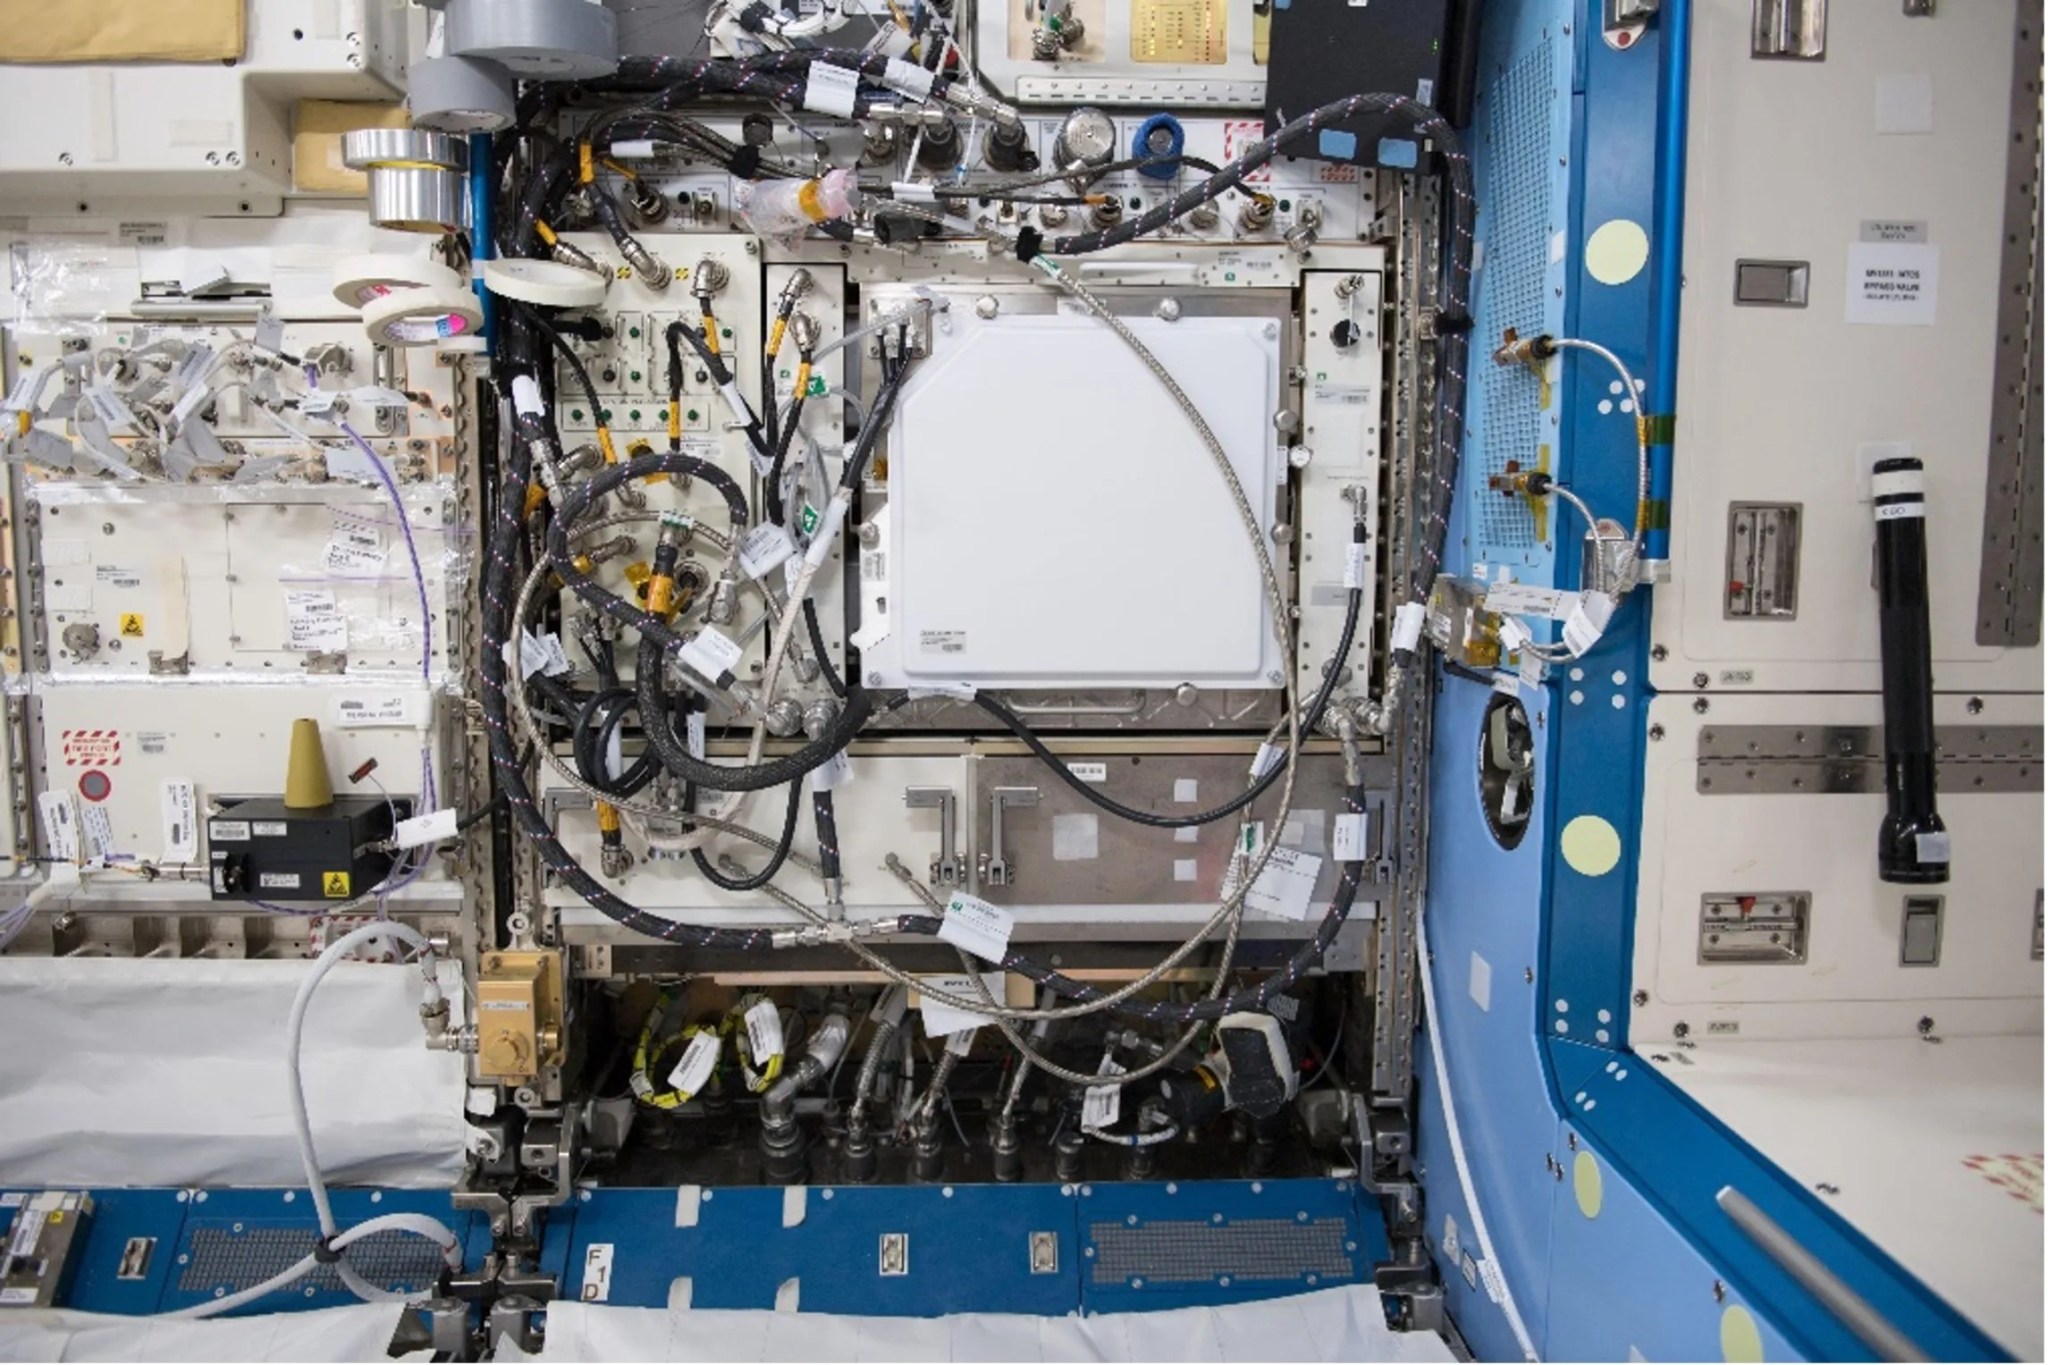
pixel 549 284
pixel 422 317
pixel 359 279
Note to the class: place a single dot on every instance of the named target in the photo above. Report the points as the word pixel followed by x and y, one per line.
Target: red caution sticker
pixel 92 748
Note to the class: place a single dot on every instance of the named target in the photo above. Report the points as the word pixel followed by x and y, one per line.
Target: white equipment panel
pixel 1791 404
pixel 1852 982
pixel 1034 463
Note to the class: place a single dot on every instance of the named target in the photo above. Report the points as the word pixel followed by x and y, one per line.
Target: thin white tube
pixel 1499 1275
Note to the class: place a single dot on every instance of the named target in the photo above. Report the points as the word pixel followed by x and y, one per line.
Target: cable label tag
pixel 941 1019
pixel 22 394
pixel 712 655
pixel 1101 1104
pixel 1355 564
pixel 431 828
pixel 764 548
pixel 1582 629
pixel 1507 684
pixel 526 399
pixel 764 1032
pixel 1408 619
pixel 960 1042
pixel 907 78
pixel 112 411
pixel 835 771
pixel 699 1061
pixel 830 89
pixel 189 402
pixel 959 691
pixel 314 623
pixel 634 149
pixel 60 825
pixel 377 396
pixel 1347 842
pixel 693 735
pixel 181 822
pixel 1264 759
pixel 1532 672
pixel 1526 599
pixel 1513 634
pixel 192 368
pixel 973 925
pixel 737 401
pixel 317 402
pixel 913 192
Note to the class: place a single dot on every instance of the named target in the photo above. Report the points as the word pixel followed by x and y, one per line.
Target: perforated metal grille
pixel 1255 1249
pixel 1516 193
pixel 221 1256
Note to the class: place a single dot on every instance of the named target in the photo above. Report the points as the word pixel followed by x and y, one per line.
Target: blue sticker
pixel 1399 152
pixel 1334 144
pixel 1282 4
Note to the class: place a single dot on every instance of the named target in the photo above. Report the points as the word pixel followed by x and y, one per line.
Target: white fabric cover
pixel 355 1332
pixel 1345 1324
pixel 126 1072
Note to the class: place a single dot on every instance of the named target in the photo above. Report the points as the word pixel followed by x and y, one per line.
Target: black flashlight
pixel 1912 845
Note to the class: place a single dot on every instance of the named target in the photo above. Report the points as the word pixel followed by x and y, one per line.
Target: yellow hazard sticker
pixel 131 624
pixel 333 884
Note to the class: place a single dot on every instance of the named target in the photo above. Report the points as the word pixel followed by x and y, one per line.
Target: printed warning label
pixel 92 748
pixel 131 624
pixel 2019 1176
pixel 334 885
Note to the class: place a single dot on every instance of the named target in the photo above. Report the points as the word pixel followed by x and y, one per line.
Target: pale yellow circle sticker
pixel 1590 845
pixel 1586 1184
pixel 1617 251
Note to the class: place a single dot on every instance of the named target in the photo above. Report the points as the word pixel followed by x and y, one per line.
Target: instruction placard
pixel 1892 284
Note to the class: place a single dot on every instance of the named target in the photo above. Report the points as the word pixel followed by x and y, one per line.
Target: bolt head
pixel 1656 732
pixel 987 306
pixel 1699 705
pixel 1700 680
pixel 1168 310
pixel 1641 997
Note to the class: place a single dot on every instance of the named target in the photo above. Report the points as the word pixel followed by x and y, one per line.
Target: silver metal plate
pixel 1816 760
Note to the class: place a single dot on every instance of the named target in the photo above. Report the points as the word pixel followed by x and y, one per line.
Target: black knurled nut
pixel 745 163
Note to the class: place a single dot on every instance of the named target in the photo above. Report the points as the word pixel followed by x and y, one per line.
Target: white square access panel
pixel 1054 520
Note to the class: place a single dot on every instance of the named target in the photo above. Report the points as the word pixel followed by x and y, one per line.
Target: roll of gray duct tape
pixel 460 95
pixel 557 40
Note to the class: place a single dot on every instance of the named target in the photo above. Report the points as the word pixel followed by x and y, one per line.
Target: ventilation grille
pixel 1252 1249
pixel 220 1257
pixel 1516 192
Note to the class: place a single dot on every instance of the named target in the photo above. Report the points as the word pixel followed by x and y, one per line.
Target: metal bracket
pixel 1622 21
pixel 1795 30
pixel 996 870
pixel 946 869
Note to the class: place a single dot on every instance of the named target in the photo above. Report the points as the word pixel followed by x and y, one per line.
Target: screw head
pixel 1641 997
pixel 1168 310
pixel 1699 705
pixel 1656 732
pixel 1659 653
pixel 987 307
pixel 874 680
pixel 1720 1291
pixel 1680 1029
pixel 1975 706
pixel 1699 680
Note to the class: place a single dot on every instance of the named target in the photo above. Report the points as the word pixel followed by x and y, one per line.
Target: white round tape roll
pixel 549 284
pixel 422 317
pixel 359 279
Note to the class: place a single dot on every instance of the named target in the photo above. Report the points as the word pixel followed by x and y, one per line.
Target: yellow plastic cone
pixel 306 783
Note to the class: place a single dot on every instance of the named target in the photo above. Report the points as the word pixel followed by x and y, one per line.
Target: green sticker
pixel 817 388
pixel 807 519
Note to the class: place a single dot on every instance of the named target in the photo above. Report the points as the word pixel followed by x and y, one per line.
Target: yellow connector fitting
pixel 607 819
pixel 604 443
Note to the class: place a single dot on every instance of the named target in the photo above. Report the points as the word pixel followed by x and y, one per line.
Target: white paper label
pixel 914 192
pixel 1263 761
pixel 1532 672
pixel 1408 619
pixel 1090 772
pixel 697 1063
pixel 181 822
pixel 975 926
pixel 835 771
pixel 1286 884
pixel 313 622
pixel 1102 1103
pixel 1347 838
pixel 431 828
pixel 961 1041
pixel 941 1019
pixel 355 547
pixel 597 1260
pixel 693 734
pixel 317 402
pixel 1354 564
pixel 18 396
pixel 763 548
pixel 1931 848
pixel 277 881
pixel 634 149
pixel 831 90
pixel 1587 620
pixel 1893 284
pixel 188 403
pixel 1507 684
pixel 60 825
pixel 764 1031
pixel 228 831
pixel 377 396
pixel 710 654
pixel 1513 634
pixel 907 78
pixel 380 711
pixel 98 829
